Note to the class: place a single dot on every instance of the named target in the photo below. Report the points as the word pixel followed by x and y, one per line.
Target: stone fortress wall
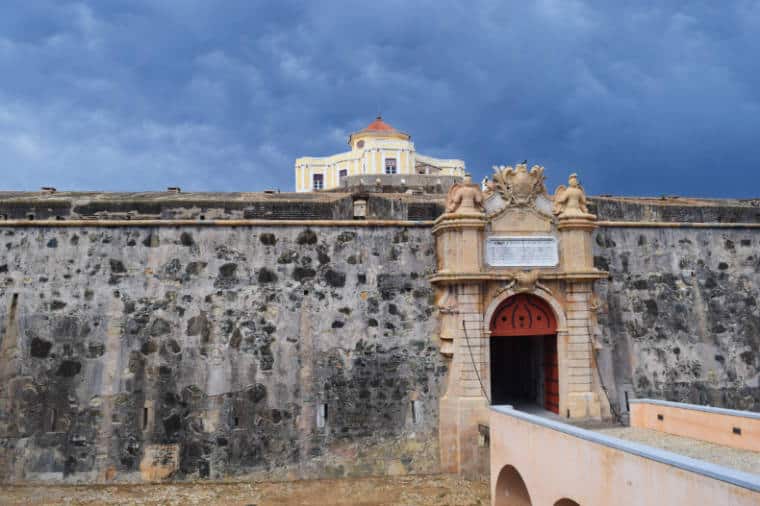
pixel 679 316
pixel 271 335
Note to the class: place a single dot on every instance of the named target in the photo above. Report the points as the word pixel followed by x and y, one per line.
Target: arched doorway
pixel 523 352
pixel 510 489
pixel 566 502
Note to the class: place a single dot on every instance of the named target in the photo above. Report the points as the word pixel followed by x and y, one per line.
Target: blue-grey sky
pixel 640 98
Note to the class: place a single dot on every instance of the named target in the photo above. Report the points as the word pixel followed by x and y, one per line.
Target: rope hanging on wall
pixel 472 357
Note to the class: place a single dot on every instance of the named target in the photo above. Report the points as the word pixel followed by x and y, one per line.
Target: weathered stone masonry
pixel 223 341
pixel 679 316
pixel 272 349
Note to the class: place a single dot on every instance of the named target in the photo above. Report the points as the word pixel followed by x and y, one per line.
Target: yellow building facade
pixel 378 149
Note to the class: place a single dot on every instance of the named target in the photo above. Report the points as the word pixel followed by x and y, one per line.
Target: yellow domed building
pixel 377 149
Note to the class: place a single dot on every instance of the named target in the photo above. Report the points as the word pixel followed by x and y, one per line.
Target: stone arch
pixel 523 315
pixel 559 312
pixel 566 502
pixel 558 401
pixel 510 488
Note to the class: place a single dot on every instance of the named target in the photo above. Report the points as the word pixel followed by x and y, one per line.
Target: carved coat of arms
pixel 517 186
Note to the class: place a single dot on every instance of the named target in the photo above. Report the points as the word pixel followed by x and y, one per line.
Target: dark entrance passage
pixel 516 371
pixel 524 371
pixel 523 353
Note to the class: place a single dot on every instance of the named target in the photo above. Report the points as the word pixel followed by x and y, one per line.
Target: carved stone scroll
pixel 524 282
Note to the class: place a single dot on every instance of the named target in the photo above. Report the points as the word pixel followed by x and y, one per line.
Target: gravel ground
pixel 742 460
pixel 401 491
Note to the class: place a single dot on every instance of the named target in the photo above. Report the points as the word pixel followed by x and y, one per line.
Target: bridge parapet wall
pixel 728 427
pixel 558 461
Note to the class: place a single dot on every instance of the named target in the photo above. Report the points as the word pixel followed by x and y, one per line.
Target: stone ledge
pixel 670 224
pixel 213 223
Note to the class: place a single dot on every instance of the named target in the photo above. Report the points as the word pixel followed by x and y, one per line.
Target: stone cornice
pixel 576 224
pixel 460 277
pixel 455 217
pixel 464 222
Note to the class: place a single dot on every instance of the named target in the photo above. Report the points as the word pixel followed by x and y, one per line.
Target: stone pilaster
pixel 464 406
pixel 582 401
pixel 577 362
pixel 471 343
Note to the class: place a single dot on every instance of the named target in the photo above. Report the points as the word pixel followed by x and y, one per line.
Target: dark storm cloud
pixel 646 98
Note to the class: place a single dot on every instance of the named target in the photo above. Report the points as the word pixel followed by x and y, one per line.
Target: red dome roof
pixel 379 126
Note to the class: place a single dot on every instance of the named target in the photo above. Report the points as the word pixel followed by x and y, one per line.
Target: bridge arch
pixel 510 488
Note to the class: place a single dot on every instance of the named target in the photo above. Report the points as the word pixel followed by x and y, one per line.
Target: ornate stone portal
pixel 514 211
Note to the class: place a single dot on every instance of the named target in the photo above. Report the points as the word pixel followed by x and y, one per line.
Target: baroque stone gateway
pixel 361 331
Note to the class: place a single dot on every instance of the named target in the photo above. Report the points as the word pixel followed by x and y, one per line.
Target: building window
pixel 390 166
pixel 319 182
pixel 342 173
pixel 359 144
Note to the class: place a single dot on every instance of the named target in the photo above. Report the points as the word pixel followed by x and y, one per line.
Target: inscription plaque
pixel 522 251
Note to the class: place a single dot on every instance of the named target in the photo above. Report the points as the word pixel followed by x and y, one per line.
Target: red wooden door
pixel 551 374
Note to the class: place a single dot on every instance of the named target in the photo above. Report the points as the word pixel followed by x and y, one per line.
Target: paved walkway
pixel 741 460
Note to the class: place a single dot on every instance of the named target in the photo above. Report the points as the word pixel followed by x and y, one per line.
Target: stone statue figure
pixel 595 307
pixel 464 197
pixel 448 306
pixel 570 202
